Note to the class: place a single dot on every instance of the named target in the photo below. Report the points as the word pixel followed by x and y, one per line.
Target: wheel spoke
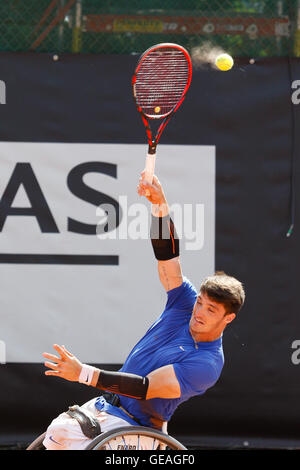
pixel 124 442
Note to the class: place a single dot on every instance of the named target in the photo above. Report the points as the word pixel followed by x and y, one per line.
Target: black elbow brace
pixel 164 238
pixel 121 383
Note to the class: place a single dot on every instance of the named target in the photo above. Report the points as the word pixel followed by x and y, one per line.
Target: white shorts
pixel 64 433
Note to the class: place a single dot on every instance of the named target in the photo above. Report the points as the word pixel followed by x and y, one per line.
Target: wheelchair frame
pixel 161 441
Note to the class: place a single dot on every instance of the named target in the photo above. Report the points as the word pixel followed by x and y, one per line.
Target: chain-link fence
pixel 242 27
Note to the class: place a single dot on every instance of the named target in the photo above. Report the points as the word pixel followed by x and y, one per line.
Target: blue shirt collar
pixel 205 344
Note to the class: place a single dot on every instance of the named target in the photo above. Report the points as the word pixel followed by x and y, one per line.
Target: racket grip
pixel 149 169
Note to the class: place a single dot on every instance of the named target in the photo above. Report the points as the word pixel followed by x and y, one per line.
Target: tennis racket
pixel 160 82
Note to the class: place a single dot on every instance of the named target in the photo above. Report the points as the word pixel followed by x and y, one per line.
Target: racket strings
pixel 161 81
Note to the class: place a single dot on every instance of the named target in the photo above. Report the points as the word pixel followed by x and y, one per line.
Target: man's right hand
pixel 155 194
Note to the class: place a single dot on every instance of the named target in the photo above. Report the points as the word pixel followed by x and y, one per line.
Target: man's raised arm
pixel 164 239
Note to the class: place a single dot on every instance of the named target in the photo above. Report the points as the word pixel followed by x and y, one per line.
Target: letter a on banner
pixel 23 175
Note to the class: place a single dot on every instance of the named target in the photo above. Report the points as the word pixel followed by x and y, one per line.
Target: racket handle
pixel 149 169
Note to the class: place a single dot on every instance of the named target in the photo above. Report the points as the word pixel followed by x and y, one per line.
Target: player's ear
pixel 229 317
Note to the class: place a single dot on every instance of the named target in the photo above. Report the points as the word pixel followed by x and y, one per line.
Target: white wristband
pixel 86 374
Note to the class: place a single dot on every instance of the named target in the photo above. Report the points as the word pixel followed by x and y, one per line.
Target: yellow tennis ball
pixel 224 62
pixel 157 109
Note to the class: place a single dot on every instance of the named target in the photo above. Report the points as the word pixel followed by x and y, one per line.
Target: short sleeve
pixel 195 377
pixel 182 297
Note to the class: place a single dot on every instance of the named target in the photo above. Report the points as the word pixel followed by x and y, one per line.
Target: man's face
pixel 208 316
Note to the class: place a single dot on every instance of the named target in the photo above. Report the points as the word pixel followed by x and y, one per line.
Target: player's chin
pixel 196 325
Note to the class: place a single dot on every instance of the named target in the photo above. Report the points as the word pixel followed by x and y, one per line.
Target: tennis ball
pixel 224 62
pixel 157 109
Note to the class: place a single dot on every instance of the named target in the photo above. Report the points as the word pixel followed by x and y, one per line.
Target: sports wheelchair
pixel 124 438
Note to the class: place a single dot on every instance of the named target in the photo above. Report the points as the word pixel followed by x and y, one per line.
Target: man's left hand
pixel 67 366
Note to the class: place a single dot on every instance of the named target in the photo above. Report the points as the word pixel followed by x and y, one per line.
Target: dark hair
pixel 225 290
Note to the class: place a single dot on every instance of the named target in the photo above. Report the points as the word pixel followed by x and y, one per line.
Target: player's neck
pixel 206 337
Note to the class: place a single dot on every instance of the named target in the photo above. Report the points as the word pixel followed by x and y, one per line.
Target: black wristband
pixel 122 383
pixel 164 238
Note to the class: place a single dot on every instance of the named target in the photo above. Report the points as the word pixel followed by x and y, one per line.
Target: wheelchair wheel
pixel 134 438
pixel 37 444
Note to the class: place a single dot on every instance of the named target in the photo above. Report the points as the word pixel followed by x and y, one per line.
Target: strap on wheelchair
pixel 114 400
pixel 89 425
pixel 111 398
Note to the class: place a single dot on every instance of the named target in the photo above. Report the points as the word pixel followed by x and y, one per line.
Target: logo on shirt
pixel 182 348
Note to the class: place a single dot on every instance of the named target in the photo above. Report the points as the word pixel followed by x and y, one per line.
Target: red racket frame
pixel 153 141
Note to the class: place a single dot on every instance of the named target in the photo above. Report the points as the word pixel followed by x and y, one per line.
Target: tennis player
pixel 180 355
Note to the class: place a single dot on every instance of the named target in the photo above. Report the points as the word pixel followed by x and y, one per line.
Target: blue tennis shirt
pixel 168 341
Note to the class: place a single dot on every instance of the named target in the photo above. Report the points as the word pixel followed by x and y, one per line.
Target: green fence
pixel 241 27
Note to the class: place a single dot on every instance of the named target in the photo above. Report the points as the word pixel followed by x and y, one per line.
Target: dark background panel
pixel 248 115
pixel 30 401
